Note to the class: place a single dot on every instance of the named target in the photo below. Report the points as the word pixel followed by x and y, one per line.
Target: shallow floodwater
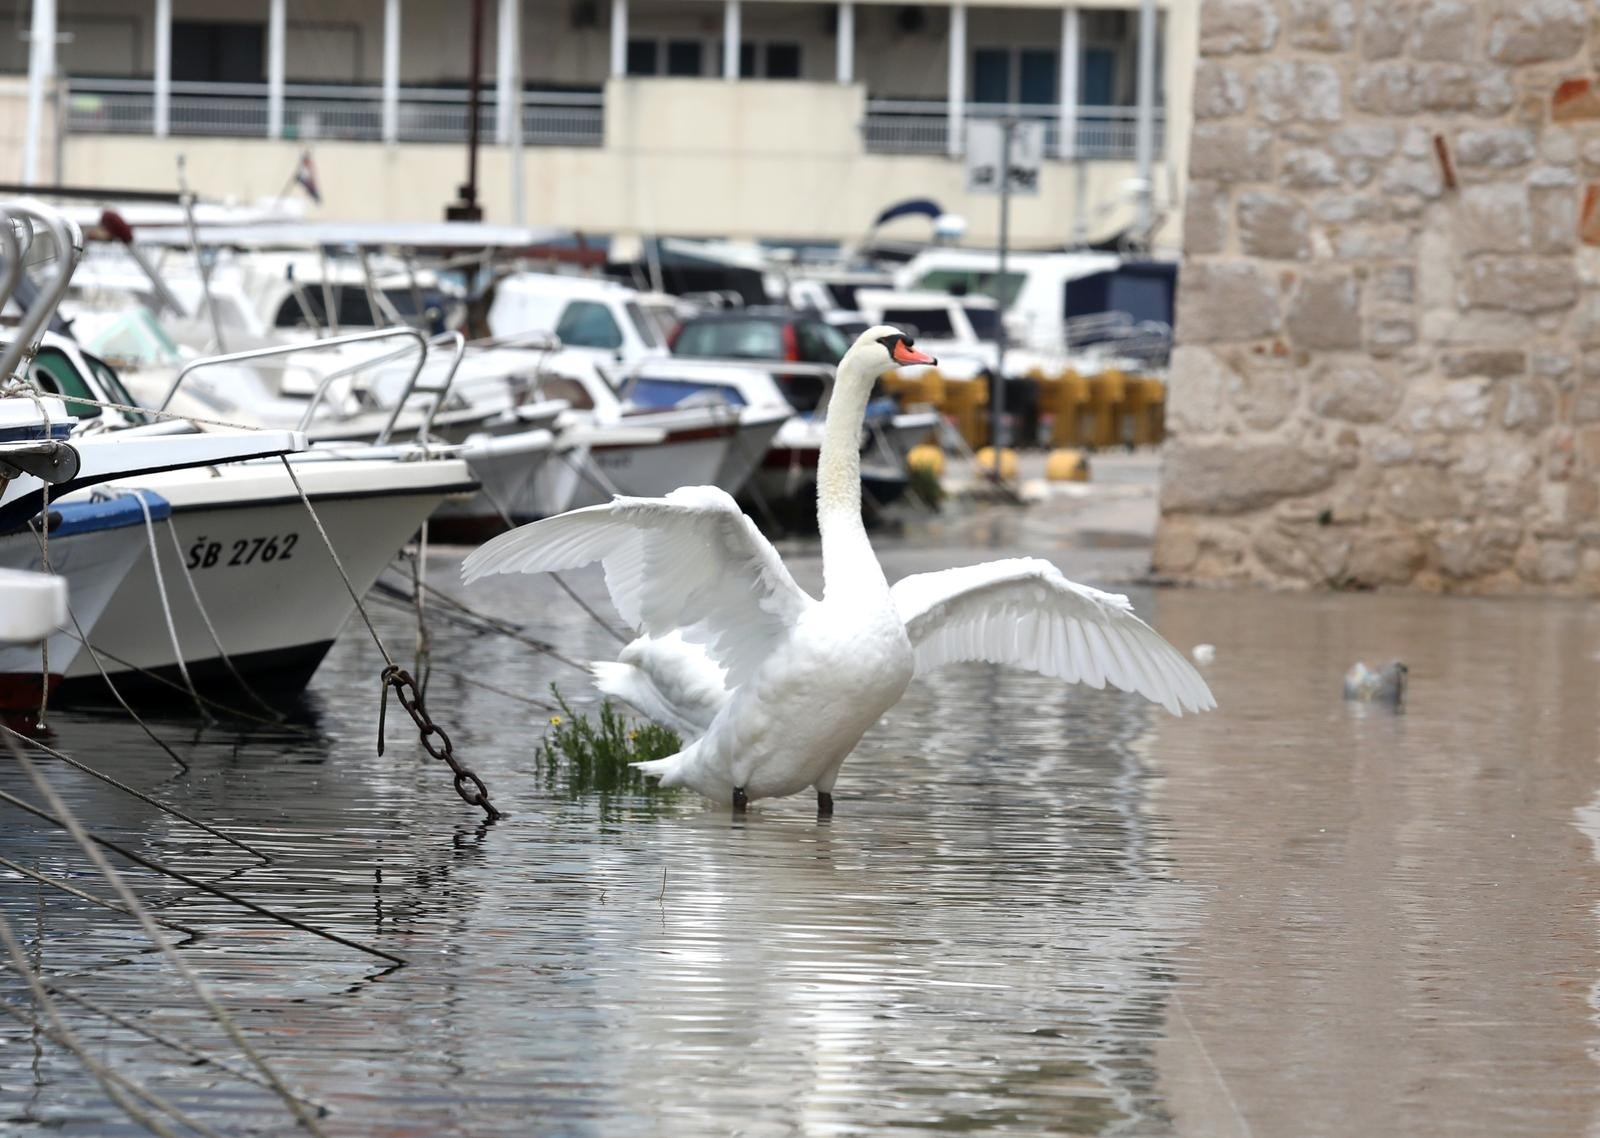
pixel 1036 911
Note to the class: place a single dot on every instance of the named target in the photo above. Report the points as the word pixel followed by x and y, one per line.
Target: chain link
pixel 468 785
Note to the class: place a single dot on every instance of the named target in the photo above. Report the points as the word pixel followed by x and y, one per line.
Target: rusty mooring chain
pixel 468 785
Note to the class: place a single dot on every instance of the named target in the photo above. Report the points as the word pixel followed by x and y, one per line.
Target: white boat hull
pixel 261 570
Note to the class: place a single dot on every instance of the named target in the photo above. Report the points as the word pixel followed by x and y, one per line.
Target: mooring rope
pixel 83 895
pixel 139 794
pixel 166 609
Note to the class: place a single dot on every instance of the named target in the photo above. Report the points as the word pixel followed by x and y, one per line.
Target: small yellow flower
pixel 555 721
pixel 632 736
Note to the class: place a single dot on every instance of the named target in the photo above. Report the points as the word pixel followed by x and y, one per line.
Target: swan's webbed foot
pixel 824 804
pixel 740 802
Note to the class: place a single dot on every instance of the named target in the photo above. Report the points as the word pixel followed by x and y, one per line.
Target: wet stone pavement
pixel 1038 910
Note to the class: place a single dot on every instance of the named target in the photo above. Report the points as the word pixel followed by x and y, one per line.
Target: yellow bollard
pixel 1066 465
pixel 928 458
pixel 1008 463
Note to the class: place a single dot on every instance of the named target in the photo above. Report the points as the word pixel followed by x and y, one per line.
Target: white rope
pixel 166 608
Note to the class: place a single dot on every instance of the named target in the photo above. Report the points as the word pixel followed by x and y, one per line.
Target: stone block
pixel 1273 225
pixel 1463 549
pixel 1394 283
pixel 1341 209
pixel 1419 176
pixel 1220 91
pixel 1499 148
pixel 1305 168
pixel 1230 153
pixel 1553 213
pixel 1197 394
pixel 1234 477
pixel 1325 312
pixel 1388 88
pixel 1420 493
pixel 1547 562
pixel 1521 284
pixel 1263 390
pixel 1353 389
pixel 1177 545
pixel 1321 25
pixel 1446 406
pixel 1288 91
pixel 1465 88
pixel 1228 27
pixel 1532 31
pixel 1383 556
pixel 1445 29
pixel 1374 242
pixel 1530 405
pixel 1575 100
pixel 1384 28
pixel 1223 300
pixel 1488 363
pixel 1493 218
pixel 1205 218
pixel 1387 334
pixel 1589 215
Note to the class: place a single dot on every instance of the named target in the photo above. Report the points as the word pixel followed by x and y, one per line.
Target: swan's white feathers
pixel 690 562
pixel 1023 612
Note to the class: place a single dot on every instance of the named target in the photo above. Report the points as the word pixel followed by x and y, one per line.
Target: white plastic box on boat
pixel 31 605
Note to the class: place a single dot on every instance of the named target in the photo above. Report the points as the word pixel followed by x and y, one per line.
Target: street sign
pixel 986 146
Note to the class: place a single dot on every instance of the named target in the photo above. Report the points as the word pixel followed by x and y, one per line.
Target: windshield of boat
pixel 110 384
pixel 985 321
pixel 976 282
pixel 54 373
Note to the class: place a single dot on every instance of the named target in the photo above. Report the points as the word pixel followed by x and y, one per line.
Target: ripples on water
pixel 1037 911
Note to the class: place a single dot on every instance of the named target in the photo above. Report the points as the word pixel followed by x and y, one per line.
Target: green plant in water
pixel 583 755
pixel 925 484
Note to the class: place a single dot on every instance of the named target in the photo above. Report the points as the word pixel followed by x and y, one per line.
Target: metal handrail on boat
pixel 442 391
pixel 68 245
pixel 289 349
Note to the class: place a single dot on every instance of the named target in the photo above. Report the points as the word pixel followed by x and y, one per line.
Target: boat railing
pixel 326 381
pixel 441 392
pixel 67 240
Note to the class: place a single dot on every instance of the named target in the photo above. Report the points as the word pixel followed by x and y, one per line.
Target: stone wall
pixel 1388 371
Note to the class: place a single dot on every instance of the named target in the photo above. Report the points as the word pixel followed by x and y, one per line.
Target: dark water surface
pixel 1037 910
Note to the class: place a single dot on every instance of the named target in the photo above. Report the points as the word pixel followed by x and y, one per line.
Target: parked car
pixel 777 334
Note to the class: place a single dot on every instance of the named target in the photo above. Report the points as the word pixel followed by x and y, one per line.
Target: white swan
pixel 775 688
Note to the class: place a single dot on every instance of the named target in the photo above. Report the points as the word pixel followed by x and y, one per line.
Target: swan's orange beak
pixel 904 354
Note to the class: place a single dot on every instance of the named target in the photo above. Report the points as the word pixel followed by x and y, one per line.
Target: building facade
pixel 1388 371
pixel 746 119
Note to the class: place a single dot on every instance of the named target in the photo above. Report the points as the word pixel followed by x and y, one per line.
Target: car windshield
pixel 722 339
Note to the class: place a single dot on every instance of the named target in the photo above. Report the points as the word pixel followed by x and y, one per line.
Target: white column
pixel 391 70
pixel 1144 132
pixel 275 36
pixel 730 39
pixel 41 73
pixel 956 83
pixel 847 41
pixel 163 102
pixel 505 68
pixel 1067 138
pixel 619 38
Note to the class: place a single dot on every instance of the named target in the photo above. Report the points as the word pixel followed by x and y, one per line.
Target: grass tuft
pixel 583 755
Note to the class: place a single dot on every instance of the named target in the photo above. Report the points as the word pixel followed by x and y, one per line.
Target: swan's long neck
pixel 848 563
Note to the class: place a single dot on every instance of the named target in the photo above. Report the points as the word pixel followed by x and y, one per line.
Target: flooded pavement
pixel 1038 910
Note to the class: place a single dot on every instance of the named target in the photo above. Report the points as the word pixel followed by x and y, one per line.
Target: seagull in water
pixel 1370 685
pixel 774 688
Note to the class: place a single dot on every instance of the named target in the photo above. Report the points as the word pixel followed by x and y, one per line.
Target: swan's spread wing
pixel 1023 612
pixel 690 561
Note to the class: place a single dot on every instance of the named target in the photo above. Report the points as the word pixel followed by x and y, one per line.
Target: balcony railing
pixel 899 126
pixel 235 110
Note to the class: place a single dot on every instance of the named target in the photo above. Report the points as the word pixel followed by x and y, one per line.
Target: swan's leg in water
pixel 740 802
pixel 824 804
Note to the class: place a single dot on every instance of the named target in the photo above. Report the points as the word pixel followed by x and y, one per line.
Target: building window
pixel 684 58
pixel 669 57
pixel 642 57
pixel 1014 75
pixel 768 60
pixel 218 53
